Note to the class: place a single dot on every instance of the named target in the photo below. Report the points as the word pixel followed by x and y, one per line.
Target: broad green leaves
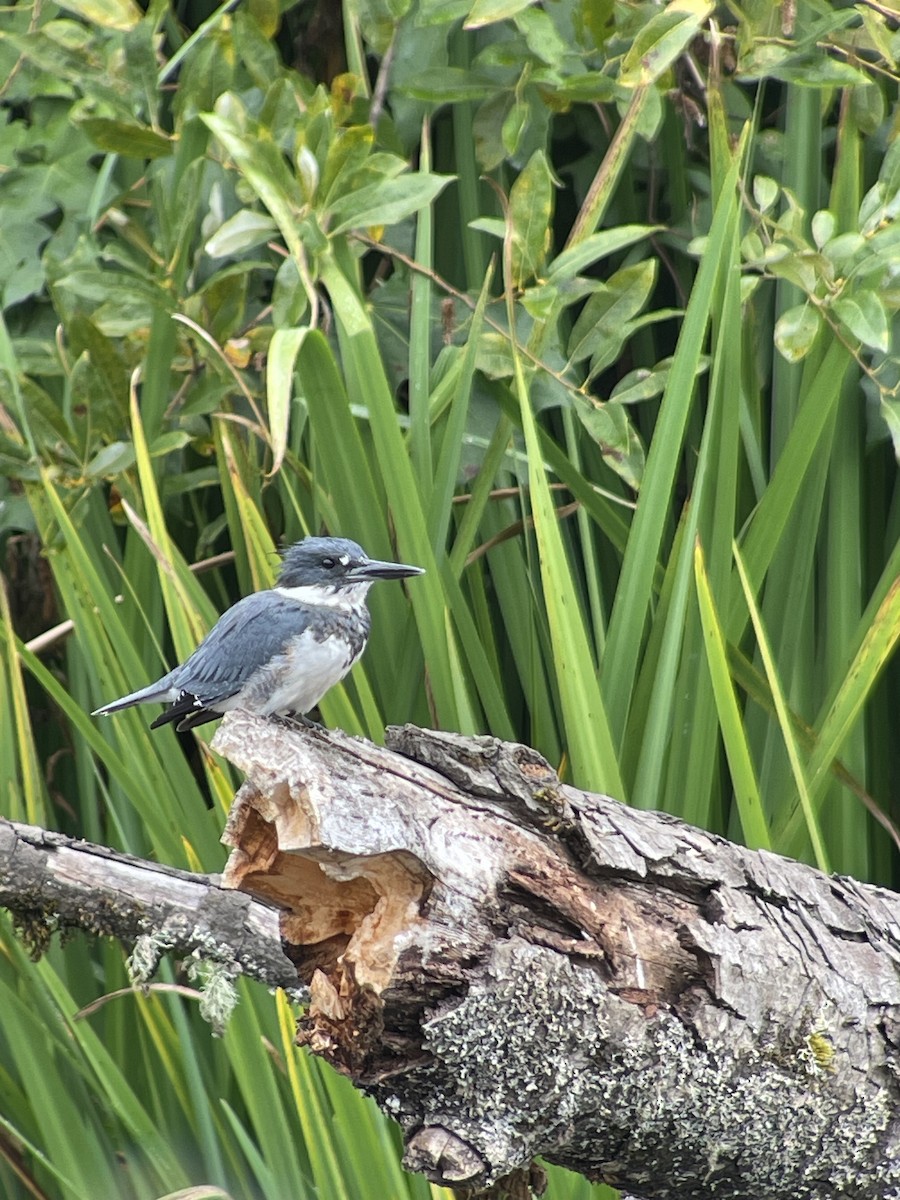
pixel 261 162
pixel 865 316
pixel 387 202
pixel 662 39
pixel 616 437
pixel 530 213
pixel 126 137
pixel 342 186
pixel 795 331
pixel 576 257
pixel 246 229
pixel 606 319
pixel 847 275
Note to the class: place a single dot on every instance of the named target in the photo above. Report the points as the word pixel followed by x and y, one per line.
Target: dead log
pixel 513 967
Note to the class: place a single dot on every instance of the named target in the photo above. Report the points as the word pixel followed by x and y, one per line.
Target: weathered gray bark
pixel 516 968
pixel 49 882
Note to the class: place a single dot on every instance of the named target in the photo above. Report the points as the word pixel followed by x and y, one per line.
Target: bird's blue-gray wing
pixel 244 639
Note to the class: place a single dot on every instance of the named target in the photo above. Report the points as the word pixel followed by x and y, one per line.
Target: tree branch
pixel 513 967
pixel 49 882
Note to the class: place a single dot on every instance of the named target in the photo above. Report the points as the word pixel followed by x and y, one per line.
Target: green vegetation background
pixel 587 307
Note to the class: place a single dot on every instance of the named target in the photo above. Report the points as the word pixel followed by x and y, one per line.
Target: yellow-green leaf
pixel 530 214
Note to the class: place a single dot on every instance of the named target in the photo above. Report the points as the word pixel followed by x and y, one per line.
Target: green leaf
pixel 661 40
pixel 592 87
pixel 494 357
pixel 110 14
pixel 267 15
pixel 543 38
pixel 366 374
pixel 609 426
pixel 587 732
pixel 447 85
pixel 642 384
pixel 795 331
pixel 283 350
pixel 880 35
pixel 111 460
pixel 875 650
pixel 486 12
pixel 820 71
pixel 347 475
pixel 650 117
pixel 347 152
pixel 289 299
pixel 126 137
pixel 262 164
pixel 799 269
pixel 441 12
pixel 765 192
pixel 616 302
pixel 545 300
pixel 746 789
pixel 823 227
pixel 245 229
pixel 598 245
pixel 494 226
pixel 653 513
pixel 867 105
pixel 865 316
pixel 768 524
pixel 514 125
pixel 530 214
pixel 174 439
pixel 798 769
pixel 385 203
pixel 33 797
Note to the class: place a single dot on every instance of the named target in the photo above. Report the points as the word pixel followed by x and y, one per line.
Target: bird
pixel 275 653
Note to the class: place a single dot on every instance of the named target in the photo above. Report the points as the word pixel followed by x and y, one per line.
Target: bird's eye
pixel 328 562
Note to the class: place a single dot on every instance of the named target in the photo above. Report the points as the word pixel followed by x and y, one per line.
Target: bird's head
pixel 332 565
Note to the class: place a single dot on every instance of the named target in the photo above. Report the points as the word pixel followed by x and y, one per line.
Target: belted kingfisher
pixel 278 651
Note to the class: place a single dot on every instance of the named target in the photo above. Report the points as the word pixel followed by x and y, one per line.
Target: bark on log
pixel 513 967
pixel 51 882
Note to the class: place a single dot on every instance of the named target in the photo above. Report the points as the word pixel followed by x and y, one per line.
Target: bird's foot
pixel 296 720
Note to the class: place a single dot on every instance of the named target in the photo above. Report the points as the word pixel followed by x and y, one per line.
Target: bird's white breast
pixel 298 679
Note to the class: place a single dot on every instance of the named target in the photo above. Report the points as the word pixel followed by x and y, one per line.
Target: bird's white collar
pixel 324 596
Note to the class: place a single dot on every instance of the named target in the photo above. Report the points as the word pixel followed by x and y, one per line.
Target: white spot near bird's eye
pixel 344 560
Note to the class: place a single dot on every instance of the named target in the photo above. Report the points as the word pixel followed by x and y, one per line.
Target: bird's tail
pixel 154 692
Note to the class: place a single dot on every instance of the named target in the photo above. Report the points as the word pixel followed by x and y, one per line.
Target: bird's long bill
pixel 384 570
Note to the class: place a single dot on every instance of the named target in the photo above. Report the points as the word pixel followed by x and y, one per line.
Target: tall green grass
pixel 622 381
